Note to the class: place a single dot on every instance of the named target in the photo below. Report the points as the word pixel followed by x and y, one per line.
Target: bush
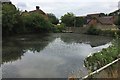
pixel 79 22
pixel 93 31
pixel 53 19
pixel 110 33
pixel 58 28
pixel 68 19
pixel 35 22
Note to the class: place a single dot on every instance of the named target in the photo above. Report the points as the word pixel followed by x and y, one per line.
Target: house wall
pixel 92 22
pixel 77 29
pixel 106 27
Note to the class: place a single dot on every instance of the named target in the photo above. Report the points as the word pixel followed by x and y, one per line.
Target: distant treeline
pixel 14 22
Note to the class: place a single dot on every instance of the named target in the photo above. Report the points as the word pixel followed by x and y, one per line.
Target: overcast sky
pixel 60 7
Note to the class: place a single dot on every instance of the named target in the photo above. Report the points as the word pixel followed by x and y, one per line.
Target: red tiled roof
pixel 94 15
pixel 38 11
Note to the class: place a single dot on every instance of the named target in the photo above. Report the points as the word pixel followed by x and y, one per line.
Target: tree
pixel 79 21
pixel 16 22
pixel 117 21
pixel 102 14
pixel 36 22
pixel 52 18
pixel 68 19
pixel 10 17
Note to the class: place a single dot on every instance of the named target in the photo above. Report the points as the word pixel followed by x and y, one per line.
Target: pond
pixel 50 55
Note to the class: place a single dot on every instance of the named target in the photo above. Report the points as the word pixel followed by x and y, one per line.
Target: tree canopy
pixel 79 22
pixel 52 18
pixel 117 21
pixel 14 21
pixel 10 18
pixel 35 22
pixel 68 19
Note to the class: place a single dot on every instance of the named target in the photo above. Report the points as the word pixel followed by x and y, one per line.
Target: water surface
pixel 48 55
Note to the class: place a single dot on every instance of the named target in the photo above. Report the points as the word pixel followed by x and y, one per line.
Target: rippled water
pixel 48 56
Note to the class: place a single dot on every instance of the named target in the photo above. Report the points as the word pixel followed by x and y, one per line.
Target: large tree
pixel 36 22
pixel 68 19
pixel 10 18
pixel 79 22
pixel 52 18
pixel 16 22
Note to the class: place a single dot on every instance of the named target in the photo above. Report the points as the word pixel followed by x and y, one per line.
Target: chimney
pixel 37 7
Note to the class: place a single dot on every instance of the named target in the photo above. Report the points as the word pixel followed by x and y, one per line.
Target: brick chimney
pixel 37 7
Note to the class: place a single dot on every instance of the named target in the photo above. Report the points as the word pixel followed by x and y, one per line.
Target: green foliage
pixel 15 22
pixel 35 22
pixel 79 21
pixel 53 19
pixel 117 21
pixel 10 18
pixel 110 33
pixel 68 19
pixel 100 59
pixel 58 28
pixel 93 30
pixel 102 15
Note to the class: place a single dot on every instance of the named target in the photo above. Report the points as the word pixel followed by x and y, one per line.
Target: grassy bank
pixel 109 32
pixel 92 30
pixel 100 59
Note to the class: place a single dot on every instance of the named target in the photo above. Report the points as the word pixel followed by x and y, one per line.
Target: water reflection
pixel 15 47
pixel 45 56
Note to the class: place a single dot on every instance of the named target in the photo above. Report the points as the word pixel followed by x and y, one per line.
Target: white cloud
pixel 60 7
pixel 4 0
pixel 22 5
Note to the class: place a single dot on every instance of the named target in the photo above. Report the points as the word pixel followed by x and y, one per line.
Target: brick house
pixel 101 22
pixel 38 10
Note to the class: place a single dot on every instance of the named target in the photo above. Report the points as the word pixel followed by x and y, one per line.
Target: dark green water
pixel 48 56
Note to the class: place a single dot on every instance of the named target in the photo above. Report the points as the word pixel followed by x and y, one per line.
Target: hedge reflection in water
pixel 14 48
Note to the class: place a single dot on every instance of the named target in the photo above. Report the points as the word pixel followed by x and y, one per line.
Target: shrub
pixel 35 22
pixel 58 28
pixel 110 33
pixel 53 19
pixel 93 31
pixel 68 19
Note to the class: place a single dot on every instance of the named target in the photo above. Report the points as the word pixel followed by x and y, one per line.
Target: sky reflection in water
pixel 58 59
